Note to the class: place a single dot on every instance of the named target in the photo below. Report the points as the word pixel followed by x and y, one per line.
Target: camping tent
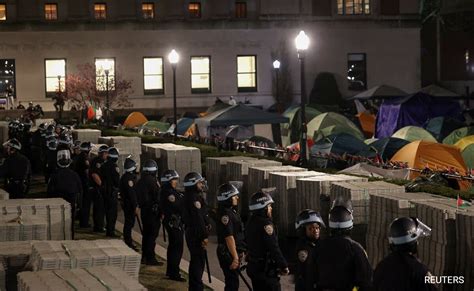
pixel 382 91
pixel 421 154
pixel 330 123
pixel 291 131
pixel 135 119
pixel 413 133
pixel 466 146
pixel 414 110
pixel 441 126
pixel 458 134
pixel 367 123
pixel 186 126
pixel 156 125
pixel 215 107
pixel 437 91
pixel 389 146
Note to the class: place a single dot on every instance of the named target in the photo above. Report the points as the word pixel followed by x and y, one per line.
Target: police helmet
pixel 191 179
pixel 64 158
pixel 85 146
pixel 406 230
pixel 340 217
pixel 76 145
pixel 52 144
pixel 259 201
pixel 129 165
pixel 113 153
pixel 308 216
pixel 65 139
pixel 226 191
pixel 150 166
pixel 13 143
pixel 169 175
pixel 103 149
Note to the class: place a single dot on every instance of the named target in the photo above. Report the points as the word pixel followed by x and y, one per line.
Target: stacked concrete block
pixel 13 259
pixel 259 175
pixel 4 195
pixel 464 247
pixel 127 146
pixel 18 228
pixel 3 131
pixel 86 135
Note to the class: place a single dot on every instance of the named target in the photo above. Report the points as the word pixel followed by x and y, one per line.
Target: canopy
pixel 158 125
pixel 330 123
pixel 367 123
pixel 437 91
pixel 215 107
pixel 458 134
pixel 389 146
pixel 436 156
pixel 441 126
pixel 291 131
pixel 382 91
pixel 135 119
pixel 414 110
pixel 184 126
pixel 414 133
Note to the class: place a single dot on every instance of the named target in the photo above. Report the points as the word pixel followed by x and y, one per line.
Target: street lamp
pixel 107 103
pixel 302 44
pixel 276 66
pixel 173 58
pixel 58 100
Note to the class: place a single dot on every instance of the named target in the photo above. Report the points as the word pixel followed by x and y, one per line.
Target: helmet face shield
pixel 412 233
pixel 422 230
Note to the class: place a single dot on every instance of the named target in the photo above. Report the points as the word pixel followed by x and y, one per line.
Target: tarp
pixel 388 147
pixel 330 123
pixel 414 133
pixel 135 119
pixel 436 156
pixel 363 169
pixel 239 132
pixel 367 123
pixel 414 110
pixel 382 91
pixel 291 131
pixel 437 91
pixel 440 127
pixel 218 106
pixel 458 134
pixel 262 141
pixel 184 126
pixel 466 146
pixel 157 125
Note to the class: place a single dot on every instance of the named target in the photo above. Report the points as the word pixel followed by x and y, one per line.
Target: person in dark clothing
pixel 308 226
pixel 148 195
pixel 342 263
pixel 171 204
pixel 82 169
pixel 129 200
pixel 97 190
pixel 197 227
pixel 16 169
pixel 401 270
pixel 51 158
pixel 230 235
pixel 265 259
pixel 111 174
pixel 65 183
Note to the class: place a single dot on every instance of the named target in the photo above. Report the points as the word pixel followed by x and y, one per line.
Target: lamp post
pixel 107 103
pixel 173 58
pixel 302 44
pixel 276 67
pixel 58 100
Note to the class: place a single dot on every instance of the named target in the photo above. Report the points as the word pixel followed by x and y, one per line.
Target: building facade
pixel 226 47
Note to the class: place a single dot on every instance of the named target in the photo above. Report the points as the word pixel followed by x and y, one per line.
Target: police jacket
pixel 51 159
pixel 96 168
pixel 306 270
pixel 171 202
pixel 195 216
pixel 401 271
pixel 64 183
pixel 16 167
pixel 262 242
pixel 127 190
pixel 343 264
pixel 148 191
pixel 230 224
pixel 111 174
pixel 82 167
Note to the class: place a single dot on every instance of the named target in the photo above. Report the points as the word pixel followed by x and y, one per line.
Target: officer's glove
pixel 204 243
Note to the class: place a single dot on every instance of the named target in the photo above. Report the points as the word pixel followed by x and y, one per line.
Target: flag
pixel 462 203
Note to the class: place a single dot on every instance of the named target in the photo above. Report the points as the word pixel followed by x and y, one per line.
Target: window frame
pixel 349 87
pixel 56 11
pixel 363 4
pixel 201 90
pixel 14 74
pixel 193 16
pixel 154 91
pixel 237 3
pixel 6 12
pixel 95 12
pixel 153 14
pixel 114 75
pixel 51 94
pixel 247 89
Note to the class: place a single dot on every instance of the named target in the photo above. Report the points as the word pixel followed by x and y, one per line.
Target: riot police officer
pixel 171 205
pixel 265 259
pixel 197 226
pixel 129 199
pixel 148 194
pixel 401 270
pixel 82 169
pixel 75 152
pixel 98 188
pixel 51 157
pixel 308 226
pixel 16 169
pixel 342 263
pixel 65 183
pixel 111 174
pixel 64 141
pixel 230 235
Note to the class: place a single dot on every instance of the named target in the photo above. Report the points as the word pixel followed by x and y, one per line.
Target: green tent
pixel 458 134
pixel 156 125
pixel 370 140
pixel 414 133
pixel 468 156
pixel 330 123
pixel 291 131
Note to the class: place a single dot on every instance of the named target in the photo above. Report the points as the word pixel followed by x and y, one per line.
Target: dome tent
pixel 330 123
pixel 413 133
pixel 135 119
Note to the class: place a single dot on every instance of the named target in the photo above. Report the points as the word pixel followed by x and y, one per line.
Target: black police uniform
pixel 97 192
pixel 129 198
pixel 306 269
pixel 264 254
pixel 82 169
pixel 148 194
pixel 229 224
pixel 401 271
pixel 17 172
pixel 196 220
pixel 111 174
pixel 171 205
pixel 51 164
pixel 342 264
pixel 66 184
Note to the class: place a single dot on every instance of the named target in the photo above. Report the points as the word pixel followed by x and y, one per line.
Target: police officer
pixel 401 270
pixel 51 157
pixel 82 169
pixel 308 226
pixel 98 188
pixel 16 169
pixel 65 183
pixel 75 152
pixel 197 226
pixel 265 259
pixel 230 235
pixel 171 204
pixel 111 174
pixel 148 194
pixel 129 199
pixel 64 141
pixel 342 263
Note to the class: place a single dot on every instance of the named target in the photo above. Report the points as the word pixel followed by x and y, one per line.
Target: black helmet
pixel 86 146
pixel 65 139
pixel 406 230
pixel 103 149
pixel 64 158
pixel 169 175
pixel 129 165
pixel 226 191
pixel 260 201
pixel 308 216
pixel 113 153
pixel 191 179
pixel 340 217
pixel 13 143
pixel 52 144
pixel 150 166
pixel 76 145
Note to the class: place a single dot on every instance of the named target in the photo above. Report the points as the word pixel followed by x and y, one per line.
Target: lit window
pixel 7 76
pixel 194 10
pixel 357 71
pixel 240 10
pixel 55 72
pixel 200 74
pixel 153 75
pixel 247 73
pixel 3 12
pixel 353 7
pixel 148 10
pixel 51 11
pixel 102 67
pixel 100 11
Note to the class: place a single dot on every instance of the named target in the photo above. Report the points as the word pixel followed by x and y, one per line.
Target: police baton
pixel 164 233
pixel 239 271
pixel 139 223
pixel 206 260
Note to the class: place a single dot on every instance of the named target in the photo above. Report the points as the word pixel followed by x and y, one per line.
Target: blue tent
pixel 184 124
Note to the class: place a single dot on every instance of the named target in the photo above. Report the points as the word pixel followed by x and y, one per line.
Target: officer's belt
pixel 9 181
